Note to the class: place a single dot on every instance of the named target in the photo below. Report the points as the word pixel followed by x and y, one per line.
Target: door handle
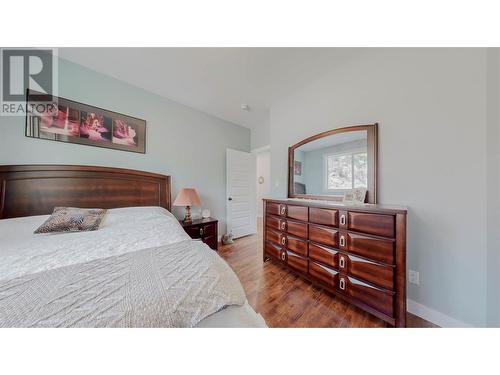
pixel 230 199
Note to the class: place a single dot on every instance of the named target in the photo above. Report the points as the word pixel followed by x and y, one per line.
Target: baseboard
pixel 434 316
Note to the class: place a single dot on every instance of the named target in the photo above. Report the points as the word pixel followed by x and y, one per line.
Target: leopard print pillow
pixel 71 219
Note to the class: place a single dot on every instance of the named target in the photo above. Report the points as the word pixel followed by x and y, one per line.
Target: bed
pixel 139 269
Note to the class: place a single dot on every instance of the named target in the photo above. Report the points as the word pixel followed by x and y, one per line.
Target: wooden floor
pixel 286 300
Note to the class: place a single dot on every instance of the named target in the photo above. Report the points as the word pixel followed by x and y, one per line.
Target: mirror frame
pixel 372 145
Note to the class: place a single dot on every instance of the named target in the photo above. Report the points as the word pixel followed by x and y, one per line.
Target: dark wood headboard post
pixel 28 190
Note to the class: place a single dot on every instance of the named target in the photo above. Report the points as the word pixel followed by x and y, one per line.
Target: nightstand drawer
pixel 204 229
pixel 209 229
pixel 200 231
pixel 193 232
pixel 211 241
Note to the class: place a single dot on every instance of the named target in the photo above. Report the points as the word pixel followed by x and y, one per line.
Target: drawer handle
pixel 342 262
pixel 342 284
pixel 282 210
pixel 283 241
pixel 283 256
pixel 201 231
pixel 342 241
pixel 342 220
pixel 283 225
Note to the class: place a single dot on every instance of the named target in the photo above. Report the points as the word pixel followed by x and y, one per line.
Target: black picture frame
pixel 64 120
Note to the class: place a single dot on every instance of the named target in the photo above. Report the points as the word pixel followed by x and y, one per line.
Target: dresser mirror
pixel 330 164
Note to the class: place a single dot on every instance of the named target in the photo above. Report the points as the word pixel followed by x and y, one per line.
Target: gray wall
pixel 263 170
pixel 493 187
pixel 431 107
pixel 260 136
pixel 182 142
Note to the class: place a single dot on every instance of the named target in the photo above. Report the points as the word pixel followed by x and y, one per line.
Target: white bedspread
pixel 122 230
pixel 175 285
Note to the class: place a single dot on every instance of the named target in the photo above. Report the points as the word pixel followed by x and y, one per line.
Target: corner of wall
pixel 260 135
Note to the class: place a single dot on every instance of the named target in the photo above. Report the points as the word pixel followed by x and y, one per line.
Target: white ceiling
pixel 216 80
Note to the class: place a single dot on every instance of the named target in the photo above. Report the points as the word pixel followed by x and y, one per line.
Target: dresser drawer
pixel 296 245
pixel 297 229
pixel 276 209
pixel 323 254
pixel 378 249
pixel 275 223
pixel 378 274
pixel 273 250
pixel 323 274
pixel 381 300
pixel 297 212
pixel 378 224
pixel 296 262
pixel 323 216
pixel 323 235
pixel 274 236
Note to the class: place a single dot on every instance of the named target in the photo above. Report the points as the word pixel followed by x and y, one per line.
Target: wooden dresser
pixel 356 252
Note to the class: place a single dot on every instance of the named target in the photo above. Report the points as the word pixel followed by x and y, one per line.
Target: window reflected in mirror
pixel 346 170
pixel 334 163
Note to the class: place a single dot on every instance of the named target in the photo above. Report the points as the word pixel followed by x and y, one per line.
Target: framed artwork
pixel 297 168
pixel 65 120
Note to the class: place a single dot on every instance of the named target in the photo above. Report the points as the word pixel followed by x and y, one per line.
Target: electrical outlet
pixel 414 277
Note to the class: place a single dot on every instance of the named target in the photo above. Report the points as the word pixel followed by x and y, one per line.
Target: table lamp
pixel 187 197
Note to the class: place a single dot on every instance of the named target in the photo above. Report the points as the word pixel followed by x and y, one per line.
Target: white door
pixel 240 193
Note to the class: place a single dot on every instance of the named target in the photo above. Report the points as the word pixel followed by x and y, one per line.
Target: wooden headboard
pixel 27 190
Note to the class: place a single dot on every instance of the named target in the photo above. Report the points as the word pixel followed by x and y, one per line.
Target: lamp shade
pixel 187 197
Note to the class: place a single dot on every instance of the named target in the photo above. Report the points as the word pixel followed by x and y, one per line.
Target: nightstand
pixel 204 229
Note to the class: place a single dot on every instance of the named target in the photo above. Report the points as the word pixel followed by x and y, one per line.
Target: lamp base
pixel 187 216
